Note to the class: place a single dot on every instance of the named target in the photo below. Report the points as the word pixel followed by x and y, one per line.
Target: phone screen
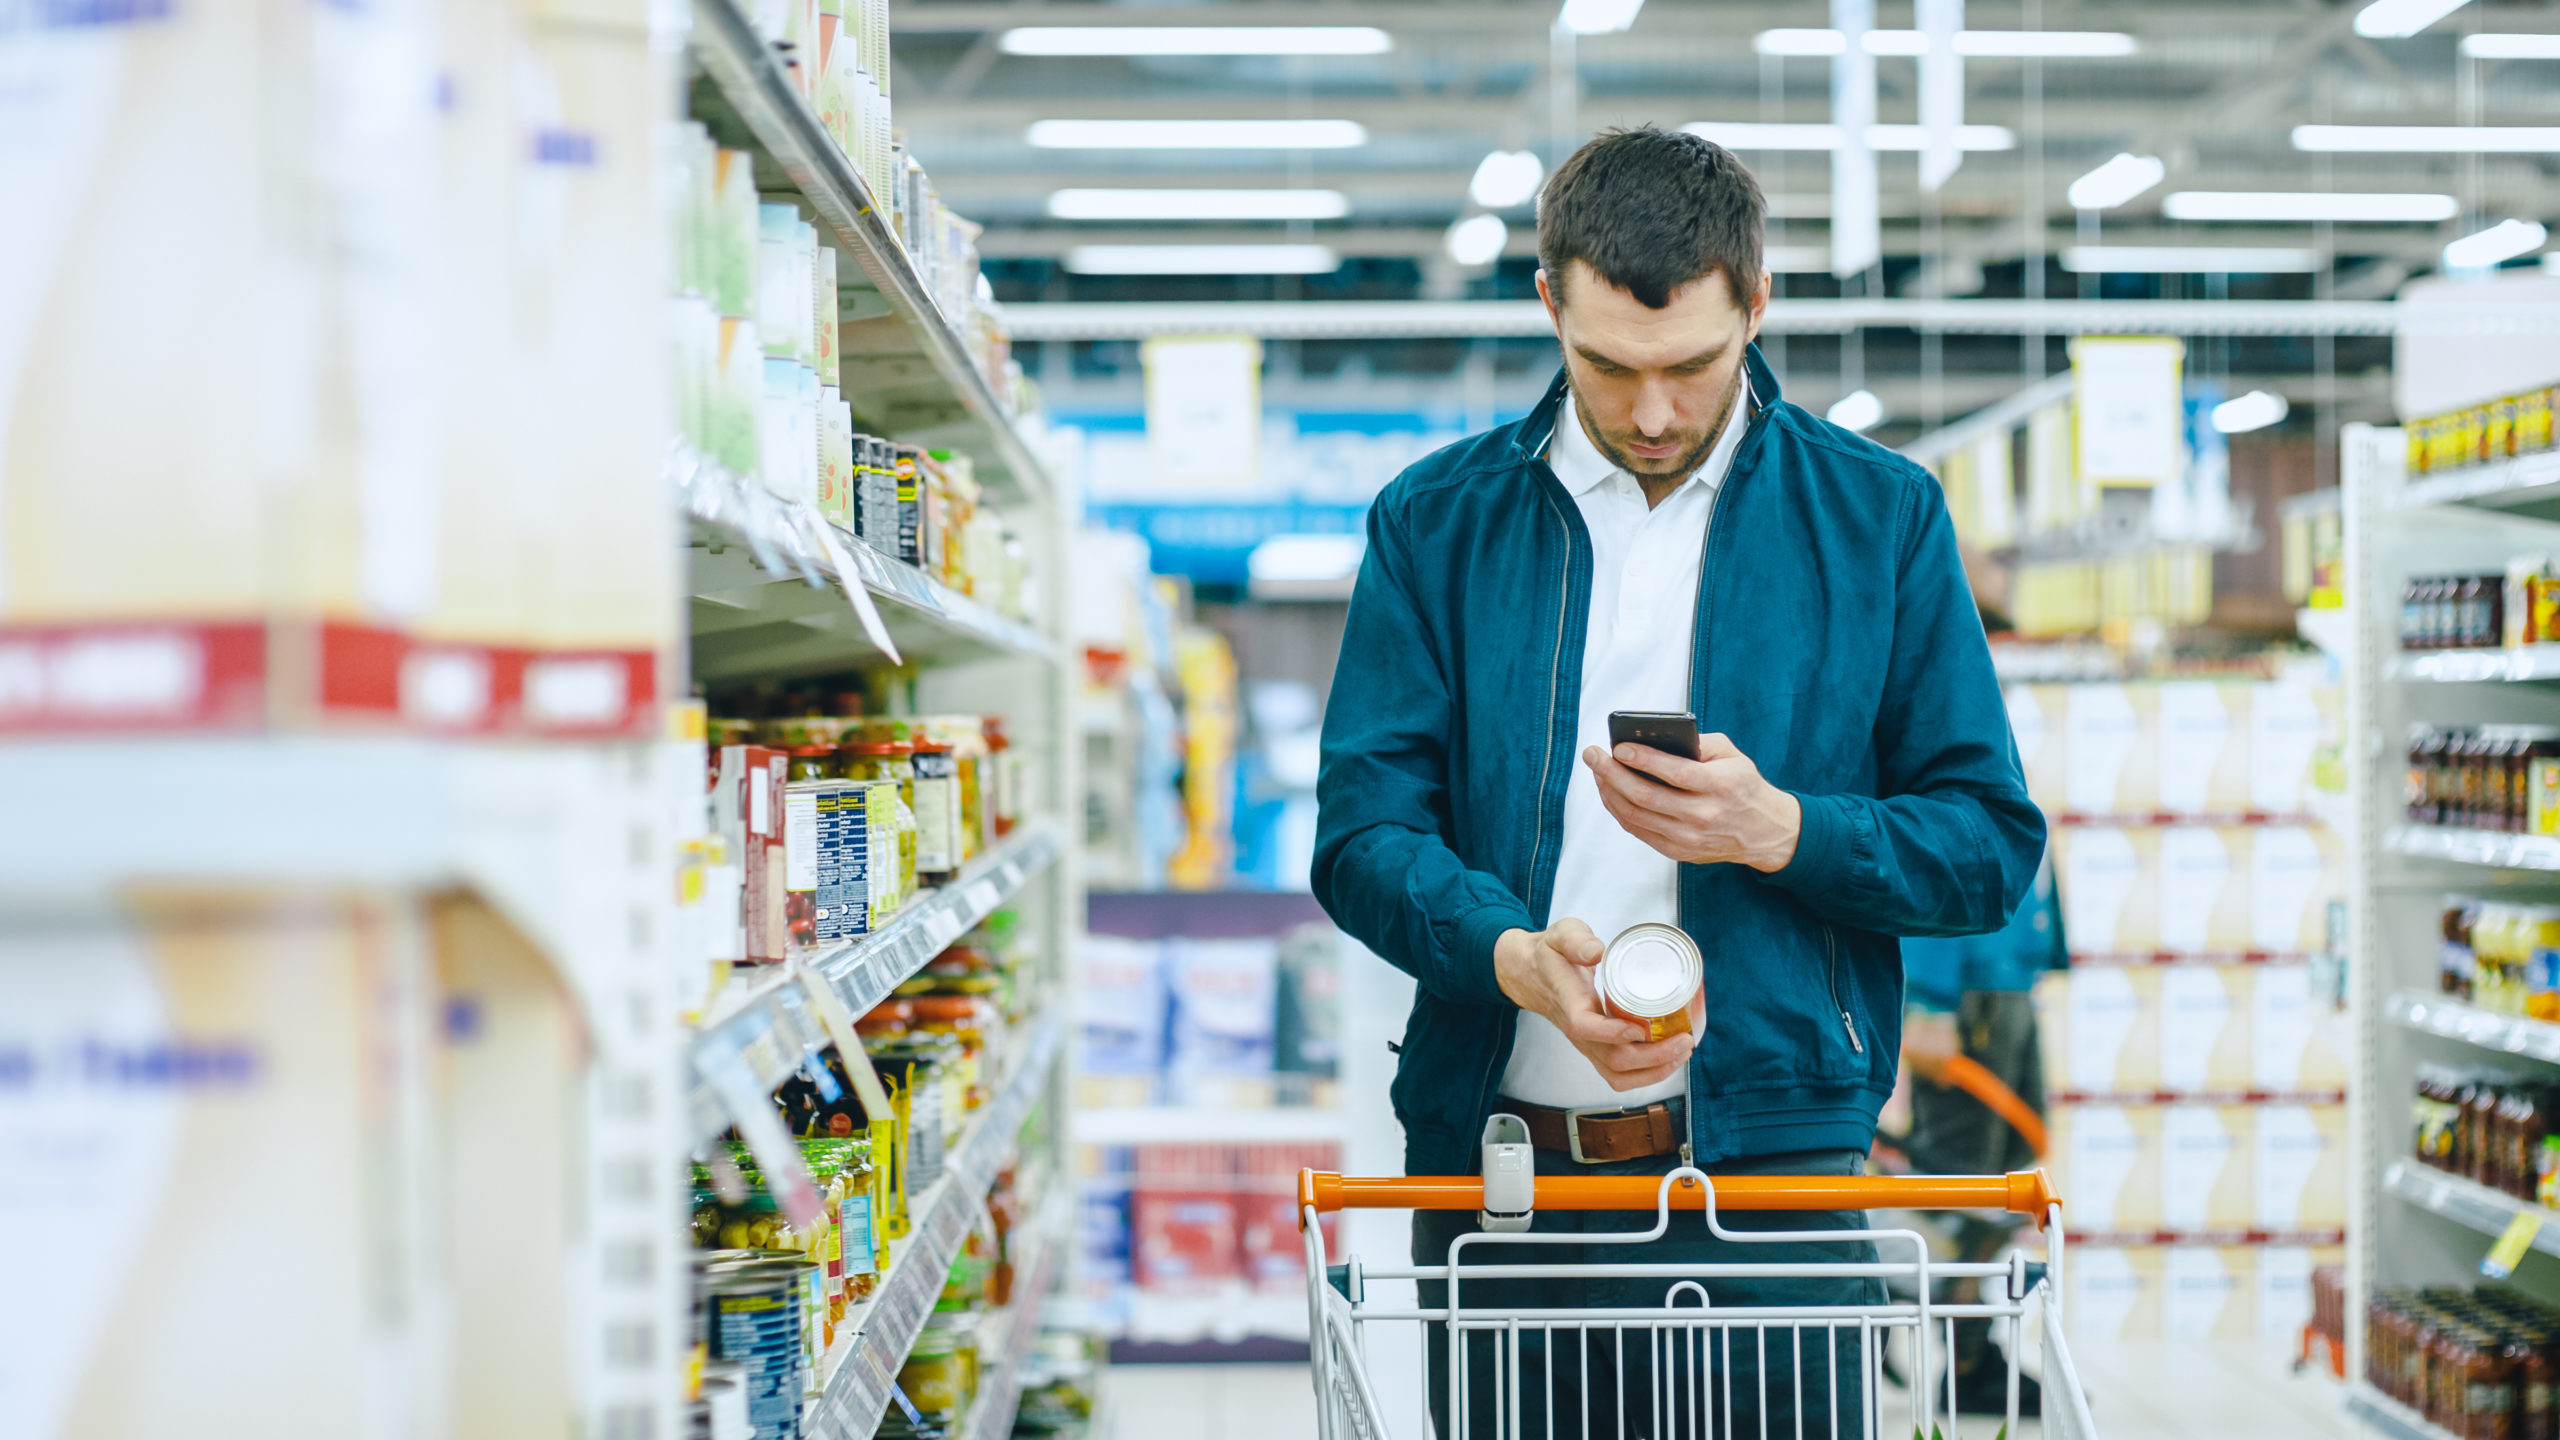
pixel 1674 732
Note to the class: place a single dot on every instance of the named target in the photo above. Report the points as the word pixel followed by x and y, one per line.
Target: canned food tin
pixel 1648 975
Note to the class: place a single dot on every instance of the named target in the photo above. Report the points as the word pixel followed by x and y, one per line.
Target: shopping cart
pixel 1685 1398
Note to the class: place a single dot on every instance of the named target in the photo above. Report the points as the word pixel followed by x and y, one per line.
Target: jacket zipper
pixel 1831 975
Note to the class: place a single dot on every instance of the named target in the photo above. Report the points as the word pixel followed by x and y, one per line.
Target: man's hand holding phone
pixel 1714 809
pixel 1549 972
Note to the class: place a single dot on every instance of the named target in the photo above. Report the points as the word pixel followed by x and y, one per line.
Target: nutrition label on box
pixel 828 828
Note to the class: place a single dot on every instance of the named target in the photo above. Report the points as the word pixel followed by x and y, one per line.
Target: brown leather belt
pixel 1593 1136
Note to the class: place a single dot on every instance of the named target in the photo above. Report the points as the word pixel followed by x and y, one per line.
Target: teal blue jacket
pixel 1836 643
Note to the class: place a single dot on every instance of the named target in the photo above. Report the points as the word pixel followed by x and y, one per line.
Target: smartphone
pixel 1673 732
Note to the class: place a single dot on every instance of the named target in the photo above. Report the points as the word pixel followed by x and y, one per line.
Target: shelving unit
pixel 907 367
pixel 2410 1224
pixel 773 592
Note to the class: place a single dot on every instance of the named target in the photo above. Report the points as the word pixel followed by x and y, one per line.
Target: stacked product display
pixel 2517 606
pixel 2194 1079
pixel 2482 434
pixel 2478 1361
pixel 2484 777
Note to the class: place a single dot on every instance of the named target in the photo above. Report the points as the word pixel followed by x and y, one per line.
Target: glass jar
pixel 2432 769
pixel 937 806
pixel 2534 745
pixel 814 761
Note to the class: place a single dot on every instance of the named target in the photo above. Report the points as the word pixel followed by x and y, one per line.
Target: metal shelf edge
pixel 2494 848
pixel 2390 1416
pixel 2466 1202
pixel 742 65
pixel 2490 486
pixel 992 1416
pixel 2452 1019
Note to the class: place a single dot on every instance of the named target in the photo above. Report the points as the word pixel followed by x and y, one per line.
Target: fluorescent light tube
pixel 1202 260
pixel 2304 205
pixel 2428 139
pixel 1198 205
pixel 1477 240
pixel 2188 260
pixel 1753 135
pixel 2511 47
pixel 1987 44
pixel 1197 134
pixel 1505 178
pixel 1598 17
pixel 1196 40
pixel 1858 410
pixel 2254 411
pixel 2116 182
pixel 2503 241
pixel 2398 19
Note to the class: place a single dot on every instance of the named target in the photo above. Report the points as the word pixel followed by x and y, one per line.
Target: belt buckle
pixel 1573 1129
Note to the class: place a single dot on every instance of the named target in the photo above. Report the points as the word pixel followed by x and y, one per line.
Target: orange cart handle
pixel 2024 1192
pixel 1968 1075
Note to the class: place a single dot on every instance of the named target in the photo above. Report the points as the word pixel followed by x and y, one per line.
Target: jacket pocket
pixel 1840 1000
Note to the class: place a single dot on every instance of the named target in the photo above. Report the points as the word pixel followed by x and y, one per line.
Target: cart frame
pixel 1686 1326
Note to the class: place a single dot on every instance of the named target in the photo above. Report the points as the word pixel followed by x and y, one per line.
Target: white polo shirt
pixel 1635 656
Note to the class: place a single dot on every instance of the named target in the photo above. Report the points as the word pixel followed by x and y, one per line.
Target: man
pixel 1661 533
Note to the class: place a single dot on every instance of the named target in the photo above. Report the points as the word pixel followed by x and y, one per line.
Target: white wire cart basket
pixel 1694 1363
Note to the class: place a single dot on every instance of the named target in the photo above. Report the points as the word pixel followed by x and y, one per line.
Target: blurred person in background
pixel 1973 996
pixel 1661 533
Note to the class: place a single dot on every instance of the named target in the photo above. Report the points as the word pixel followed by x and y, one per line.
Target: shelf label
pixel 785 1172
pixel 850 581
pixel 2508 1253
pixel 839 1026
pixel 984 897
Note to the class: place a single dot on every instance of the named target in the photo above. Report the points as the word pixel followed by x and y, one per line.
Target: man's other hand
pixel 1549 972
pixel 1708 811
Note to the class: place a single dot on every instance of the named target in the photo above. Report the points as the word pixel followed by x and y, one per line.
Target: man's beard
pixel 1679 466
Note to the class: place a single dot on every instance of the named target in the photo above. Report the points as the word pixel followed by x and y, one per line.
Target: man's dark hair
pixel 1652 210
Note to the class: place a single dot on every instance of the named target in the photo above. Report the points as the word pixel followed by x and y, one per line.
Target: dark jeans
pixel 1954 1134
pixel 1604 1385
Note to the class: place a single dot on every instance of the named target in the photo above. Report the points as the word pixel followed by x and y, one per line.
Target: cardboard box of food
pixel 2205 1028
pixel 2115 1293
pixel 2209 1292
pixel 2100 1026
pixel 2300 1167
pixel 2290 1051
pixel 2107 1163
pixel 2202 744
pixel 2205 1160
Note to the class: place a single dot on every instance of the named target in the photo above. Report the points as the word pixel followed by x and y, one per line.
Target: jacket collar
pixel 1531 434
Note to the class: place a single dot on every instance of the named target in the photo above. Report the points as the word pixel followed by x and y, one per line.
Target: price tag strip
pixel 2508 1252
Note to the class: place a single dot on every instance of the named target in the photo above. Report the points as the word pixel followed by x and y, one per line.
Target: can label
pixel 1649 975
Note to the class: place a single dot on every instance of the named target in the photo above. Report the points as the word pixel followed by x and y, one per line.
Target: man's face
pixel 1653 386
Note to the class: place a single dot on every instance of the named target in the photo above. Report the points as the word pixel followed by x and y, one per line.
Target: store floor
pixel 2165 1390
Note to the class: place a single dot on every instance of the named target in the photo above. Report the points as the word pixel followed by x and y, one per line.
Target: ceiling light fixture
pixel 2254 411
pixel 1985 44
pixel 2428 139
pixel 2399 19
pixel 1202 260
pixel 1753 135
pixel 2116 182
pixel 1505 178
pixel 1859 410
pixel 1598 17
pixel 2279 206
pixel 1197 134
pixel 2511 47
pixel 1198 205
pixel 1477 240
pixel 2188 260
pixel 1196 40
pixel 2503 241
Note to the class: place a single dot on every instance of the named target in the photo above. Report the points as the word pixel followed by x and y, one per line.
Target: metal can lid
pixel 1651 969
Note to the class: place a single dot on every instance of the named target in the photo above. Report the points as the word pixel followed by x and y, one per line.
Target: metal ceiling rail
pixel 1459 319
pixel 2005 415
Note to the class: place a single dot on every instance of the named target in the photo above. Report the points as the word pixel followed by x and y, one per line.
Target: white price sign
pixel 2132 426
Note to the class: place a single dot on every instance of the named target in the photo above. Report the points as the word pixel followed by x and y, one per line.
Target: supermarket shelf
pixel 2467 1203
pixel 1000 1388
pixel 858 1392
pixel 2454 1020
pixel 2389 1417
pixel 2475 847
pixel 2525 662
pixel 771 1026
pixel 911 368
pixel 2523 483
pixel 766 598
pixel 1181 1124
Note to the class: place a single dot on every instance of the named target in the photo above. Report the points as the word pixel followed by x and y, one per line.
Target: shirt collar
pixel 1580 466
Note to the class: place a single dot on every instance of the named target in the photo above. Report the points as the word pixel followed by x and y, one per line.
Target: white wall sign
pixel 1204 410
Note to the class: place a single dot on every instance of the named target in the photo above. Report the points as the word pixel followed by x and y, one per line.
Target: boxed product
pixel 2107 1164
pixel 829 880
pixel 1224 1005
pixel 2288 1049
pixel 2208 1292
pixel 2300 1167
pixel 2108 734
pixel 2205 1028
pixel 2285 1289
pixel 2114 1293
pixel 2205 1154
pixel 2110 888
pixel 2204 753
pixel 2203 889
pixel 1120 1005
pixel 2287 723
pixel 2100 1026
pixel 2295 871
pixel 746 812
